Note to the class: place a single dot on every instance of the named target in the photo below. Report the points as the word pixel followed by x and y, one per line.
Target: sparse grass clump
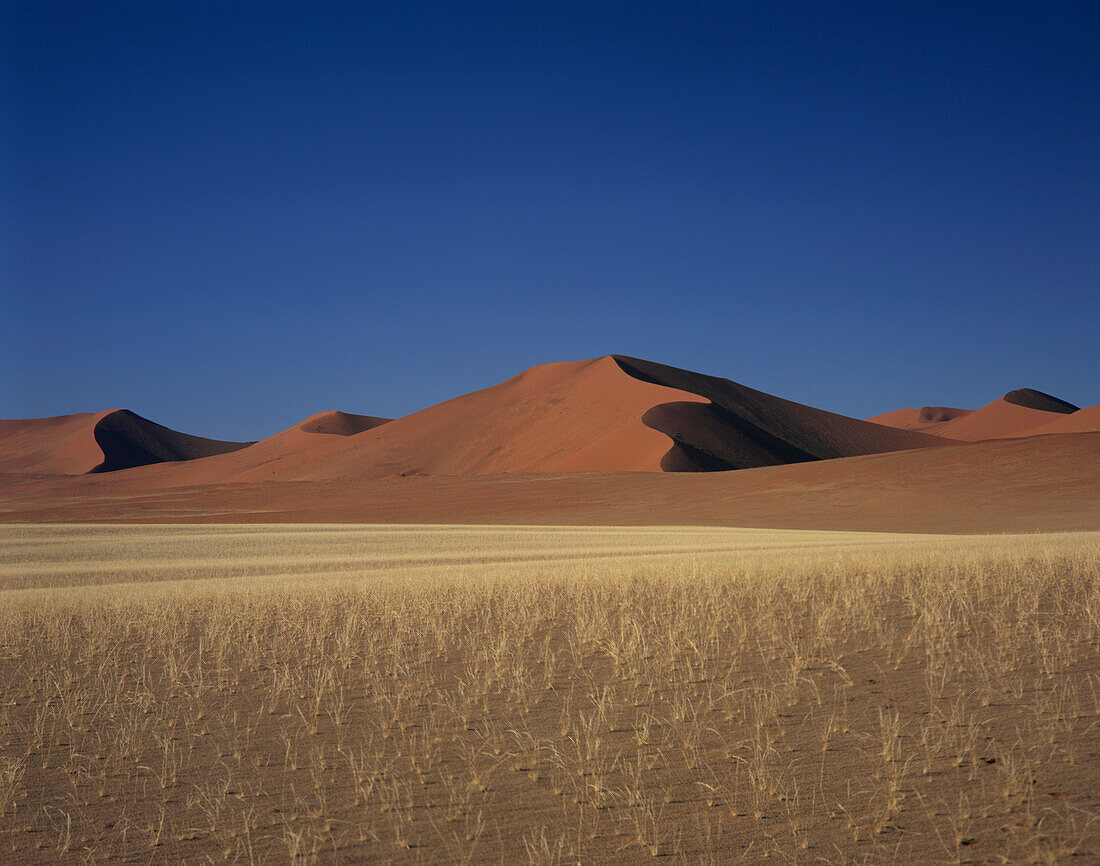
pixel 498 696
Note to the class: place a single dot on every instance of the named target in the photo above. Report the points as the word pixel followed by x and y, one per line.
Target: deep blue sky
pixel 227 215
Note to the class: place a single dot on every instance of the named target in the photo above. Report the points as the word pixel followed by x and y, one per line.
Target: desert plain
pixel 604 612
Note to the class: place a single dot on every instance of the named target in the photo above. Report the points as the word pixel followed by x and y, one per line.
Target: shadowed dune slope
pixel 1029 398
pixel 741 428
pixel 97 442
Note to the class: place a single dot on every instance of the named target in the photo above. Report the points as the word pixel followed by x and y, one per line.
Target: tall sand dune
pixel 566 417
pixel 91 442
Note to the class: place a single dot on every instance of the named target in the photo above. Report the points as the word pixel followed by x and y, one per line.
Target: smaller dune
pixel 337 423
pixel 1017 413
pixel 926 419
pixel 1004 418
pixel 940 414
pixel 94 442
pixel 293 446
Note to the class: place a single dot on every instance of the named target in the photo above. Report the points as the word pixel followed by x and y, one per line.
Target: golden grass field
pixel 547 695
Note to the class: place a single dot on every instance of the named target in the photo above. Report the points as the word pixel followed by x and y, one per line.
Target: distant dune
pixel 1085 420
pixel 926 419
pixel 1011 415
pixel 288 450
pixel 337 423
pixel 997 420
pixel 93 442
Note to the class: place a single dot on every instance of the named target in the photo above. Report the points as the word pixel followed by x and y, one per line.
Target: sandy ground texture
pixel 546 695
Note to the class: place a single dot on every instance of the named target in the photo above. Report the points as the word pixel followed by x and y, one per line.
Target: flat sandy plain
pixel 449 694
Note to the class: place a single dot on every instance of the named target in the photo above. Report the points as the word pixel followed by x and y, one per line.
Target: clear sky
pixel 227 216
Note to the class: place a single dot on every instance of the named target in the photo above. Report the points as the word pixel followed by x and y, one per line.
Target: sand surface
pixel 464 694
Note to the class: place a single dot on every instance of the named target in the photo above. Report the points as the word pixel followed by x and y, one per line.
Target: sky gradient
pixel 227 216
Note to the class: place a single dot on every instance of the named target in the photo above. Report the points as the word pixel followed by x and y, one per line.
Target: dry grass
pixel 546 696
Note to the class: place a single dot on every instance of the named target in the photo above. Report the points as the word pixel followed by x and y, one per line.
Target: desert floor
pixel 448 694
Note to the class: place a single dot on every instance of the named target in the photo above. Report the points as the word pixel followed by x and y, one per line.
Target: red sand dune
pixel 603 414
pixel 926 419
pixel 1011 415
pixel 292 447
pixel 567 417
pixel 337 423
pixel 536 449
pixel 97 442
